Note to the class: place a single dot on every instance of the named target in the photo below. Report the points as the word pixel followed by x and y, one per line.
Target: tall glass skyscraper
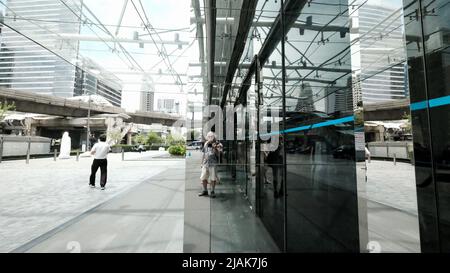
pixel 30 39
pixel 382 51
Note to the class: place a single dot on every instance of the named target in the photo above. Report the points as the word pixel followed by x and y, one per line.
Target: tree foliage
pixel 153 138
pixel 5 107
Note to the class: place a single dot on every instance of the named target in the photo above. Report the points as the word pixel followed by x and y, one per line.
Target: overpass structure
pixel 51 105
pixel 389 110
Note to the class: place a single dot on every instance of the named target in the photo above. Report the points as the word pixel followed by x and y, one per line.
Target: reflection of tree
pixel 359 117
pixel 408 127
pixel 5 107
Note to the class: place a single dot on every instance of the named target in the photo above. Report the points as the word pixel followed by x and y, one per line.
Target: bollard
pixel 123 155
pixel 28 150
pixel 395 159
pixel 1 149
pixel 54 154
pixel 78 155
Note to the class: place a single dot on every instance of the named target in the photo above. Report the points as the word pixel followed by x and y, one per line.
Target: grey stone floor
pixel 392 185
pixel 44 194
pixel 222 224
pixel 392 207
pixel 392 230
pixel 147 218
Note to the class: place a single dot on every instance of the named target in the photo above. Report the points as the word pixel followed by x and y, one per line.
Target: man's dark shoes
pixel 213 194
pixel 203 193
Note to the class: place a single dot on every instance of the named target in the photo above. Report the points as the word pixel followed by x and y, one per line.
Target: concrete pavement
pixel 45 194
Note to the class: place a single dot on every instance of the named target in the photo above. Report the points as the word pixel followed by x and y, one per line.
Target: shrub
pixel 119 147
pixel 175 140
pixel 156 146
pixel 177 150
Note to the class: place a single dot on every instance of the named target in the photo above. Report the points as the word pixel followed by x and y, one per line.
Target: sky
pixel 163 15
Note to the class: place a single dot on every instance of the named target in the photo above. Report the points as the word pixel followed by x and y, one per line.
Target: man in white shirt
pixel 100 152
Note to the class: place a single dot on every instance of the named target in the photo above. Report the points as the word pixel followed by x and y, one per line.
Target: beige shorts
pixel 208 172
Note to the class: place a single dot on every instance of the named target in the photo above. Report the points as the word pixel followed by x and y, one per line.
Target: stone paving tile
pixel 392 185
pixel 44 194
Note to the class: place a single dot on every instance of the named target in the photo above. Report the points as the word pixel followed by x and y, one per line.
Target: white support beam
pixel 79 37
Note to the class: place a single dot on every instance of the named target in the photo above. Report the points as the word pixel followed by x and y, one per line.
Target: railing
pixel 17 146
pixel 392 150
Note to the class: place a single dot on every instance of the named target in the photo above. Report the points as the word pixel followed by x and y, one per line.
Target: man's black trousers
pixel 103 165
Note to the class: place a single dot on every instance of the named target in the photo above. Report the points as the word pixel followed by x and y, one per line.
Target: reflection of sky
pixel 163 15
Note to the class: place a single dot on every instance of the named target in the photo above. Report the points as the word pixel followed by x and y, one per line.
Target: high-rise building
pixel 147 97
pixel 339 99
pixel 382 52
pixel 92 79
pixel 168 106
pixel 29 66
pixel 35 56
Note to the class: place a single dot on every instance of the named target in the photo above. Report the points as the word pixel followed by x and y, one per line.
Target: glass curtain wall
pixel 319 132
pixel 353 102
pixel 427 38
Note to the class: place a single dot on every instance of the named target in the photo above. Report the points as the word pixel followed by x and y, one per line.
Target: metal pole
pixel 123 154
pixel 78 155
pixel 54 154
pixel 28 150
pixel 395 159
pixel 283 95
pixel 1 149
pixel 88 131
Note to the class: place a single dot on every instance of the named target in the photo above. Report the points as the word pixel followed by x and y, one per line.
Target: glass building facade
pixel 37 56
pixel 33 54
pixel 354 97
pixel 427 39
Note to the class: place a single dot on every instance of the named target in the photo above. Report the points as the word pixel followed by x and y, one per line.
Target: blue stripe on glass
pixel 418 105
pixel 439 101
pixel 333 122
pixel 317 125
pixel 296 129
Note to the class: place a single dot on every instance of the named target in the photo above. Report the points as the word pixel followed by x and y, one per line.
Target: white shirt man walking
pixel 100 152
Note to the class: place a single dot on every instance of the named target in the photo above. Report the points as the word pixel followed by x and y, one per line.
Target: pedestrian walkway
pixel 222 224
pixel 45 194
pixel 393 230
pixel 147 218
pixel 392 185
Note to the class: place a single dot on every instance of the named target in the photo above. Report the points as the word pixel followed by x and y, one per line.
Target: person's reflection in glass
pixel 274 160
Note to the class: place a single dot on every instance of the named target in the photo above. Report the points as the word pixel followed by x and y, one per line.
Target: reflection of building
pixel 382 53
pixel 338 99
pixel 31 67
pixel 147 100
pixel 305 102
pixel 28 66
pixel 356 87
pixel 147 97
pixel 168 106
pixel 92 79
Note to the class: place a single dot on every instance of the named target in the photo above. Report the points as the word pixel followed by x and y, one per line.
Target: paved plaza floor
pixel 38 197
pixel 47 206
pixel 392 206
pixel 392 185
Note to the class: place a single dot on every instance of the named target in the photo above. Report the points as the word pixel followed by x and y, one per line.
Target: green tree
pixel 408 128
pixel 5 107
pixel 115 136
pixel 153 138
pixel 139 139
